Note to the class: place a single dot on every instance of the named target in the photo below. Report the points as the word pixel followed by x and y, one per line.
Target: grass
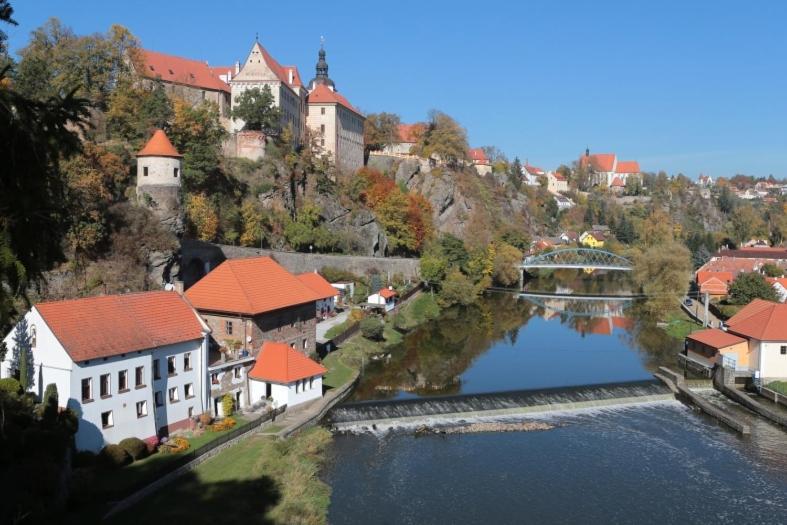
pixel 779 387
pixel 422 308
pixel 339 329
pixel 338 373
pixel 259 480
pixel 679 324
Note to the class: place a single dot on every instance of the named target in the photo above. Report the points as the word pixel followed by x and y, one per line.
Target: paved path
pixel 697 311
pixel 324 326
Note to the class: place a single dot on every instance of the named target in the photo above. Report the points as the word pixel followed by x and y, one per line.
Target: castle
pixel 318 106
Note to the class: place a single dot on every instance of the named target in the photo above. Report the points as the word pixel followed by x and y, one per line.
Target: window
pixel 139 377
pixel 305 343
pixel 105 387
pixel 228 327
pixel 32 336
pixel 191 411
pixel 145 171
pixel 311 383
pixel 297 385
pixel 142 408
pixel 322 129
pixel 106 419
pixel 784 350
pixel 187 361
pixel 156 372
pixel 122 380
pixel 236 371
pixel 322 111
pixel 87 389
pixel 188 390
pixel 175 172
pixel 171 365
pixel 214 378
pixel 173 395
pixel 159 399
pixel 322 142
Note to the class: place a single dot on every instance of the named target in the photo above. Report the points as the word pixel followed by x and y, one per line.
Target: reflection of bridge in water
pixel 580 305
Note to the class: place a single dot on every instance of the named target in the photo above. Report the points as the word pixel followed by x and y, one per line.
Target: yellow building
pixel 592 239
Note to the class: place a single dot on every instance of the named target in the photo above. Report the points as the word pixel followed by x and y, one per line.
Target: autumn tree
pixel 443 138
pixel 662 272
pixel 197 133
pixel 257 109
pixel 746 223
pixel 135 110
pixel 380 130
pixel 202 217
pixel 507 259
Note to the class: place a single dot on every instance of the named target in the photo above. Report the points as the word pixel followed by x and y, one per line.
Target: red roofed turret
pixel 159 146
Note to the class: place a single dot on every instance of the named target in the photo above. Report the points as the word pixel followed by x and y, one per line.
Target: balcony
pixel 220 356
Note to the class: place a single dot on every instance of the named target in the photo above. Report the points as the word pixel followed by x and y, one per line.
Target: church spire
pixel 321 76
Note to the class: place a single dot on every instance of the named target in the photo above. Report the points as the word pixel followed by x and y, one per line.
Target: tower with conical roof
pixel 159 172
pixel 321 76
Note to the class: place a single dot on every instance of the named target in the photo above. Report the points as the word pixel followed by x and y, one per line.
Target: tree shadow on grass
pixel 187 500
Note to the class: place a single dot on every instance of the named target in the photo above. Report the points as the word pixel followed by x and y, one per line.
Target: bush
pixel 225 424
pixel 177 445
pixel 135 447
pixel 115 456
pixel 10 385
pixel 372 328
pixel 205 419
pixel 228 405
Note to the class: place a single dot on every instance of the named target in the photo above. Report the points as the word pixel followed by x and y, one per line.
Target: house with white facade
pixel 556 182
pixel 385 298
pixel 764 325
pixel 324 291
pixel 129 365
pixel 480 161
pixel 284 376
pixel 606 170
pixel 531 175
pixel 408 136
pixel 563 202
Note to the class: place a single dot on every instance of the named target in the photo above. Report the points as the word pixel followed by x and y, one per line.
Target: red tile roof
pixel 279 363
pixel 714 286
pixel 754 253
pixel 322 94
pixel 296 76
pixel 109 325
pixel 222 70
pixel 318 285
pixel 627 166
pixel 715 338
pixel 249 286
pixel 558 176
pixel 385 293
pixel 179 70
pixel 410 133
pixel 598 161
pixel 533 170
pixel 617 183
pixel 478 156
pixel 159 146
pixel 761 320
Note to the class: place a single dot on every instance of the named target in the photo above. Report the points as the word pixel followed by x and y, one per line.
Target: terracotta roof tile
pixel 249 286
pixel 279 363
pixel 410 133
pixel 533 170
pixel 108 325
pixel 715 338
pixel 322 94
pixel 478 156
pixel 598 161
pixel 159 146
pixel 627 166
pixel 385 293
pixel 617 182
pixel 761 320
pixel 179 70
pixel 755 253
pixel 318 284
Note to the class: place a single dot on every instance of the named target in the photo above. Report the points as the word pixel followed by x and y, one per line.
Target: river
pixel 657 462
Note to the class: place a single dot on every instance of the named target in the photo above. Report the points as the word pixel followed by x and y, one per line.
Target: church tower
pixel 321 76
pixel 158 176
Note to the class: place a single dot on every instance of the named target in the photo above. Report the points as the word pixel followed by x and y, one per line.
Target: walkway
pixel 697 312
pixel 324 326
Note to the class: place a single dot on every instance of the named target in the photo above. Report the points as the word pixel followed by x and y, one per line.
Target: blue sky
pixel 692 87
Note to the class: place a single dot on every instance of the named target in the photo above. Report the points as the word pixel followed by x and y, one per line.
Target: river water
pixel 658 462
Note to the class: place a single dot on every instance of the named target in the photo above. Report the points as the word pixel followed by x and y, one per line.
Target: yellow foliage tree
pixel 202 216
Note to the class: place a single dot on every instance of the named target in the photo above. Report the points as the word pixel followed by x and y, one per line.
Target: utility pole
pixel 706 309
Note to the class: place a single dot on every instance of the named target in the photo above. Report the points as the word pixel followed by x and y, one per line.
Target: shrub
pixel 135 447
pixel 115 456
pixel 10 385
pixel 205 419
pixel 372 328
pixel 228 405
pixel 178 444
pixel 225 424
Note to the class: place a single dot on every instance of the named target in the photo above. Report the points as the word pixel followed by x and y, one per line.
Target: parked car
pixel 688 302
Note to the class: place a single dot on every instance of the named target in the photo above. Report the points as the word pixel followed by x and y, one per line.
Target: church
pixel 334 122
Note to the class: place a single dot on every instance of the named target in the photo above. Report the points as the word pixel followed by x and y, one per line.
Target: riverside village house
pixel 128 365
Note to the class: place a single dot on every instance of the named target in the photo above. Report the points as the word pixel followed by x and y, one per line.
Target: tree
pixel 433 265
pixel 197 133
pixel 750 286
pixel 6 12
pixel 746 223
pixel 257 109
pixel 772 270
pixel 443 138
pixel 506 260
pixel 23 355
pixel 202 216
pixel 457 288
pixel 50 403
pixel 135 110
pixel 662 272
pixel 726 200
pixel 372 328
pixel 380 130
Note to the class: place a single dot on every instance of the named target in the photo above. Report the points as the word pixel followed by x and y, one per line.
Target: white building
pixel 259 70
pixel 563 202
pixel 159 175
pixel 764 325
pixel 338 125
pixel 605 169
pixel 408 136
pixel 284 376
pixel 129 365
pixel 326 293
pixel 556 183
pixel 385 298
pixel 531 175
pixel 479 160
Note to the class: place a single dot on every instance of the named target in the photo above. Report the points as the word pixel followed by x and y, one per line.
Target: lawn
pixel 679 324
pixel 338 373
pixel 259 480
pixel 340 328
pixel 778 387
pixel 416 311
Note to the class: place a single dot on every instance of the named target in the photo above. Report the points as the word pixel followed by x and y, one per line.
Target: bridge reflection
pixel 594 314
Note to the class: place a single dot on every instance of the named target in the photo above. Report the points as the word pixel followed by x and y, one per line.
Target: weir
pixel 498 403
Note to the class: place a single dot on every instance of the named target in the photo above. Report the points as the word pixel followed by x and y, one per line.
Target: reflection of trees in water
pixel 658 347
pixel 431 358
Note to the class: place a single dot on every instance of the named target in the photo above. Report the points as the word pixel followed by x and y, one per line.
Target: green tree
pixel 197 133
pixel 746 223
pixel 662 272
pixel 454 251
pixel 380 130
pixel 750 286
pixel 457 288
pixel 506 271
pixel 726 200
pixel 772 270
pixel 135 110
pixel 372 328
pixel 23 355
pixel 50 403
pixel 6 12
pixel 443 138
pixel 257 109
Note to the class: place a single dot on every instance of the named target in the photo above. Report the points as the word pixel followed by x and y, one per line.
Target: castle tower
pixel 321 70
pixel 158 176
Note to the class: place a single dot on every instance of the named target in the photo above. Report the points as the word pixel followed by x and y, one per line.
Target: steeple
pixel 321 76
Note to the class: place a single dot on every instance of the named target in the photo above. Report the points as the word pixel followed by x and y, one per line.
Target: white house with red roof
pixel 129 365
pixel 556 182
pixel 407 136
pixel 605 169
pixel 764 325
pixel 337 123
pixel 284 376
pixel 324 291
pixel 532 174
pixel 385 298
pixel 480 161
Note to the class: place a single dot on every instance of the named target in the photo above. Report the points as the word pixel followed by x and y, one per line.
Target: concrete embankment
pixel 755 406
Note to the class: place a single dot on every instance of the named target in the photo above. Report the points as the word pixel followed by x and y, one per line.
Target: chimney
pixel 237 67
pixel 177 285
pixel 290 76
